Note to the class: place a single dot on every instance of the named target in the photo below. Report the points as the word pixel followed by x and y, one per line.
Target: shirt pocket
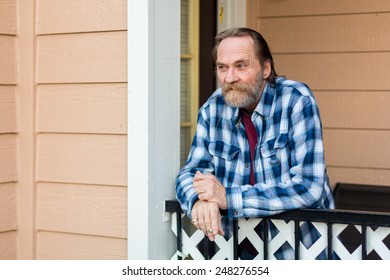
pixel 273 158
pixel 220 149
pixel 225 161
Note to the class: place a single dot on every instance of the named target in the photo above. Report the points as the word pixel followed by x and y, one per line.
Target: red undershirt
pixel 252 138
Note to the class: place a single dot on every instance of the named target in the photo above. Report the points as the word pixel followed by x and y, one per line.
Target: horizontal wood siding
pixel 8 17
pixel 62 246
pixel 341 50
pixel 360 103
pixel 7 109
pixel 82 209
pixel 7 207
pixel 82 58
pixel 8 165
pixel 338 33
pixel 58 16
pixel 272 8
pixel 7 60
pixel 338 71
pixel 81 124
pixel 82 158
pixel 357 148
pixel 8 244
pixel 98 108
pixel 355 175
pixel 8 131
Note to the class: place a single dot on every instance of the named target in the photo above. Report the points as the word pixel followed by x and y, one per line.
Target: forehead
pixel 235 48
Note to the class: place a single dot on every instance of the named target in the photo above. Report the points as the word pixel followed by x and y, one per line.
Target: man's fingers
pixel 198 214
pixel 215 217
pixel 205 225
pixel 220 229
pixel 206 196
pixel 199 176
pixel 199 187
pixel 208 218
pixel 206 188
pixel 217 223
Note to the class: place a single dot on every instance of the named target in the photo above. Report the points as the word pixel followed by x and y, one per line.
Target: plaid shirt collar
pixel 264 106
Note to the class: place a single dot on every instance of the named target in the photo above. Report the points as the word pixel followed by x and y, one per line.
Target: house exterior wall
pixel 81 127
pixel 63 129
pixel 341 50
pixel 8 129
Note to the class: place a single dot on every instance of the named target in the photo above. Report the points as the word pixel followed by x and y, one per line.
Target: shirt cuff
pixel 235 202
pixel 191 203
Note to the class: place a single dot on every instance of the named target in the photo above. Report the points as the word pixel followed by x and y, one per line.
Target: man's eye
pixel 222 67
pixel 241 66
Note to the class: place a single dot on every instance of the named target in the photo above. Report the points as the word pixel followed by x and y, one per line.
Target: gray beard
pixel 241 95
pixel 236 99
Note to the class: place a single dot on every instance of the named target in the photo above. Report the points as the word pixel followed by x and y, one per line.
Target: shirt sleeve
pixel 307 186
pixel 199 159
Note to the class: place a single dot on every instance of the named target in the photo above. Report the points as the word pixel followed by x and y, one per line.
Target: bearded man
pixel 258 147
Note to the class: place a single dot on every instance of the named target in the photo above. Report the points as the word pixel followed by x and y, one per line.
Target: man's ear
pixel 266 69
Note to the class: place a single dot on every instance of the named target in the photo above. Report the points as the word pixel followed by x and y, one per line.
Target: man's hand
pixel 210 189
pixel 207 218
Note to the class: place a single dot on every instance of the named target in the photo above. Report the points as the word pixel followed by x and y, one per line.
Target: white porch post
pixel 153 124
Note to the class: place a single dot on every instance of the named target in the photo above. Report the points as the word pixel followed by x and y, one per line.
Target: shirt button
pixel 246 165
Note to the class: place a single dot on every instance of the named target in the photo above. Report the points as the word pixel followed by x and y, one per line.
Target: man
pixel 258 147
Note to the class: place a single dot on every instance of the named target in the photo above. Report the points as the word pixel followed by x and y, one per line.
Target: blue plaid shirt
pixel 289 164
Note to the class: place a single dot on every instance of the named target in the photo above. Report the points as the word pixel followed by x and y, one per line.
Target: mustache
pixel 235 86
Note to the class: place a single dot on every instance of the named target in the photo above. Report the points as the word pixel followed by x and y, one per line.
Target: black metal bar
pixel 364 242
pixel 297 236
pixel 235 239
pixel 179 243
pixel 206 251
pixel 337 217
pixel 172 206
pixel 266 227
pixel 320 215
pixel 330 237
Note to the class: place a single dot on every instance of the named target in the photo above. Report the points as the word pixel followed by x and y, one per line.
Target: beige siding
pixel 82 158
pixel 7 207
pixel 7 158
pixel 82 58
pixel 357 148
pixel 98 108
pixel 7 60
pixel 8 17
pixel 62 246
pixel 8 245
pixel 63 129
pixel 8 224
pixel 271 8
pixel 338 71
pixel 81 129
pixel 341 50
pixel 371 28
pixel 58 16
pixel 7 109
pixel 356 175
pixel 8 129
pixel 82 209
pixel 362 103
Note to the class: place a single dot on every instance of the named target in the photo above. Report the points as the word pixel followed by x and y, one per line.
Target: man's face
pixel 240 74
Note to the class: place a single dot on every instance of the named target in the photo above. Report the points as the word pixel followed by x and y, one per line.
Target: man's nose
pixel 231 75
